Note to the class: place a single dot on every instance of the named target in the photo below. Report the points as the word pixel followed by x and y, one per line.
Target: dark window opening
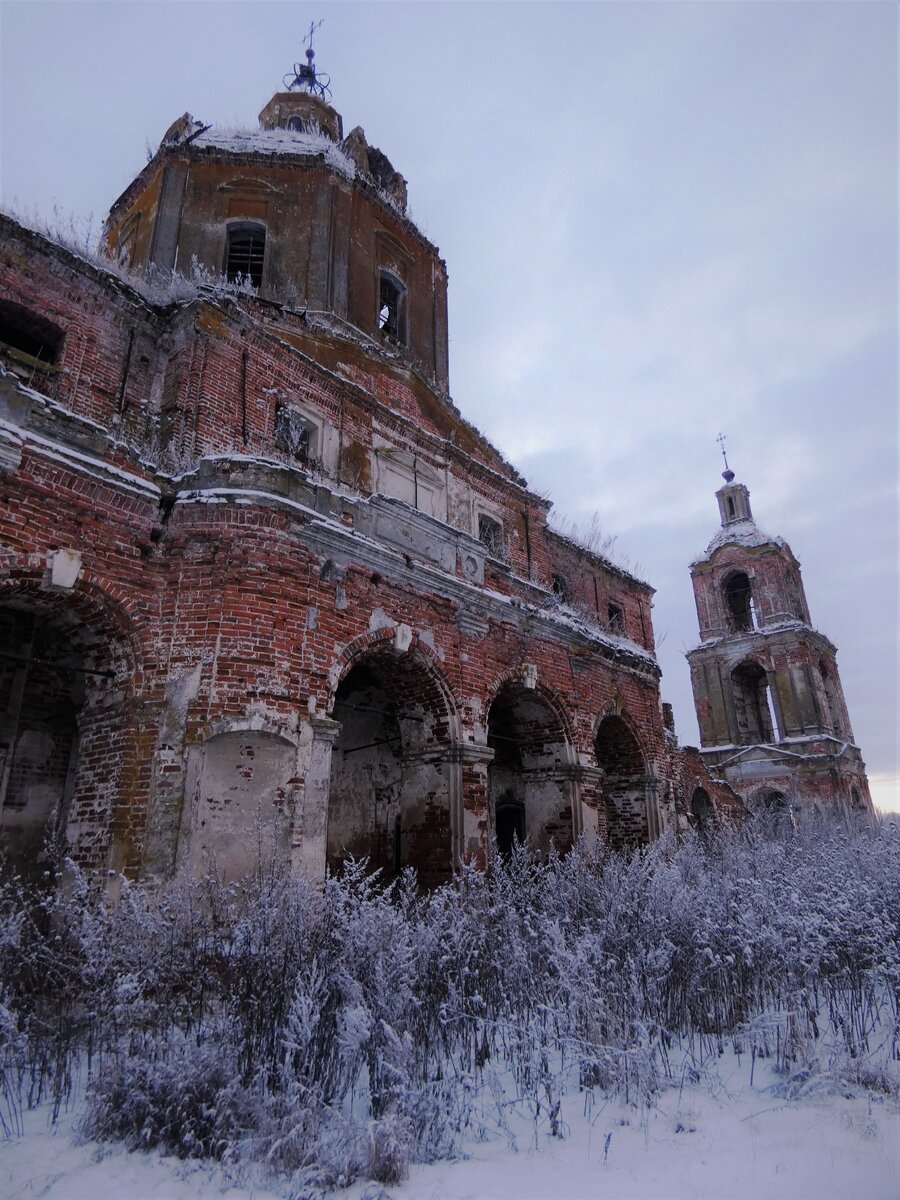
pixel 390 307
pixel 615 619
pixel 294 434
pixel 510 819
pixel 245 253
pixel 739 600
pixel 28 343
pixel 560 586
pixel 296 124
pixel 752 705
pixel 730 507
pixel 490 534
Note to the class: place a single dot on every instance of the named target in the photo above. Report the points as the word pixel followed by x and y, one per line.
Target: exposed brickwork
pixel 239 600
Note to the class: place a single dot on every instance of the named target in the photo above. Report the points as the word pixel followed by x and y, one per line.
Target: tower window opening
pixel 730 506
pixel 245 253
pixel 390 307
pixel 28 343
pixel 739 601
pixel 490 534
pixel 615 619
pixel 753 707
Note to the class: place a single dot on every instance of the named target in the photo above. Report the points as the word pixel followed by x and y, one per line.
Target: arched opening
pixel 773 809
pixel 528 792
pixel 624 784
pixel 703 813
pixel 739 602
pixel 389 796
pixel 752 705
pixel 63 734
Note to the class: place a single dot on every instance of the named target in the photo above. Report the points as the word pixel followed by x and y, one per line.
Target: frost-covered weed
pixel 349 1031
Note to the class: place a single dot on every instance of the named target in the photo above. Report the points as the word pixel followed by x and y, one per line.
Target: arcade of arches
pixel 394 785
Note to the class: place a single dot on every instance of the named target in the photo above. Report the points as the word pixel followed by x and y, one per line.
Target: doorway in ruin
pixel 773 812
pixel 624 784
pixel 389 794
pixel 529 789
pixel 61 735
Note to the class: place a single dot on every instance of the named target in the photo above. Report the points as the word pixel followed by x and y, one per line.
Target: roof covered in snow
pixel 300 143
pixel 739 533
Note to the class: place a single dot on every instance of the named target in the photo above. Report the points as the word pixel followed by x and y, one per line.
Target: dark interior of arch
pixel 751 704
pixel 527 793
pixel 703 812
pixel 389 799
pixel 739 599
pixel 61 726
pixel 773 809
pixel 619 754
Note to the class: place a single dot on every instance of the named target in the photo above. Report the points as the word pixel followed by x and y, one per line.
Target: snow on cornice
pixel 739 533
pixel 302 144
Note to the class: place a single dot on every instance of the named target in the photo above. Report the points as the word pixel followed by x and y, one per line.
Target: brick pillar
pixel 469 817
pixel 309 835
pixel 651 799
pixel 588 817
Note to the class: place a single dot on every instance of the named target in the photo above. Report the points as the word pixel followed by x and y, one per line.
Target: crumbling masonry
pixel 263 590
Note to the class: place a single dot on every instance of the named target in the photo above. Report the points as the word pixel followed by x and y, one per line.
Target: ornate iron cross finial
pixel 304 75
pixel 727 474
pixel 308 40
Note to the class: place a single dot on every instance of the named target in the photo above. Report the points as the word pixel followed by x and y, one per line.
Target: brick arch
pixel 381 644
pixel 549 698
pixel 623 715
pixel 78 612
pixel 69 721
pixel 619 752
pixel 390 796
pixel 530 797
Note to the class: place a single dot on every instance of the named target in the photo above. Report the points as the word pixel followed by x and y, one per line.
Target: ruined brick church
pixel 264 591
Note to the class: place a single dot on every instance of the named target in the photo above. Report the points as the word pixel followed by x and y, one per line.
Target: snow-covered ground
pixel 719 1139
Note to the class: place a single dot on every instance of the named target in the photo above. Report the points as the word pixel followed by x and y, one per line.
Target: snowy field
pixel 718 1140
pixel 712 1021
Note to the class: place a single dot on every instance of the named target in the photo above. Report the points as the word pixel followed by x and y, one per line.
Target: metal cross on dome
pixel 727 474
pixel 304 75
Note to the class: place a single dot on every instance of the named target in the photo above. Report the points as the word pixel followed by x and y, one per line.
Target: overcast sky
pixel 660 221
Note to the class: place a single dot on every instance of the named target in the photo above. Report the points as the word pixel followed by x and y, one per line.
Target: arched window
pixel 391 307
pixel 739 602
pixel 245 252
pixel 752 704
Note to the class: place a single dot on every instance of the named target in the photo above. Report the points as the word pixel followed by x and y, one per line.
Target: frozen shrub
pixel 325 1034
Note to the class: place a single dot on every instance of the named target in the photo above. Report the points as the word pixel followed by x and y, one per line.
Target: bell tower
pixel 770 707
